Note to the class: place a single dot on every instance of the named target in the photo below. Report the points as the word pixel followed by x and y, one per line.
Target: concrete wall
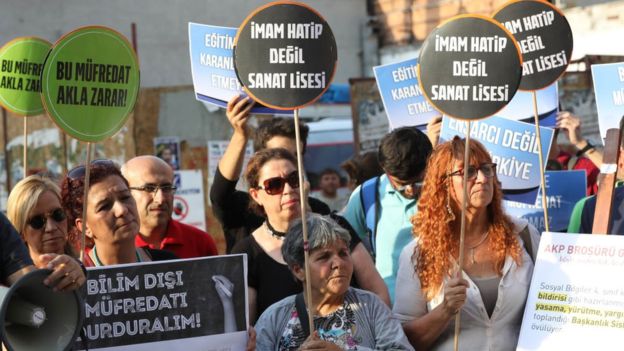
pixel 162 28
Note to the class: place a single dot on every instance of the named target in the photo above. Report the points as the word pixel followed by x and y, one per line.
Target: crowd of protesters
pixel 383 265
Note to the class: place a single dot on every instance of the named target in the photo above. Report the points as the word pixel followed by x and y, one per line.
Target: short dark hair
pixel 362 167
pixel 278 126
pixel 329 170
pixel 403 153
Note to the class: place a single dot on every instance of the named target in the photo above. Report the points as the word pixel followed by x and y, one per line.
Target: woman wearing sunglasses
pixel 34 208
pixel 274 188
pixel 491 291
pixel 112 218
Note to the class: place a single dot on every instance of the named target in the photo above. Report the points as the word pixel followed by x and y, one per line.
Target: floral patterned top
pixel 337 327
pixel 362 323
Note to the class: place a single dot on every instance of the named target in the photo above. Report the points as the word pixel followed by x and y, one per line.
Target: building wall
pixel 162 28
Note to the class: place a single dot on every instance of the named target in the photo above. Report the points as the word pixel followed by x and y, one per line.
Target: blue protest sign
pixel 401 95
pixel 513 146
pixel 564 189
pixel 520 108
pixel 609 89
pixel 212 66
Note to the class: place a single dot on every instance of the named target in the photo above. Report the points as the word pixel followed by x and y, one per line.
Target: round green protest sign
pixel 90 83
pixel 21 62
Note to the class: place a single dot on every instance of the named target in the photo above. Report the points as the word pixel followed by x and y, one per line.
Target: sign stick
pixel 5 136
pixel 84 202
pixel 25 147
pixel 608 173
pixel 541 162
pixel 462 233
pixel 304 222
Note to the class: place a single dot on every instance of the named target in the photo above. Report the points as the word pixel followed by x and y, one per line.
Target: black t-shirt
pixel 231 207
pixel 272 280
pixel 13 251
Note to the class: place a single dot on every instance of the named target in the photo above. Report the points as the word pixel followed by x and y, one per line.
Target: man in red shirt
pixel 150 180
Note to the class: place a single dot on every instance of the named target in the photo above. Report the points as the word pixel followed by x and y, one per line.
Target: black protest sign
pixel 285 55
pixel 469 67
pixel 160 301
pixel 545 39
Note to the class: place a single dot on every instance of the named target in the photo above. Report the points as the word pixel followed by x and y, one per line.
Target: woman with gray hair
pixel 345 318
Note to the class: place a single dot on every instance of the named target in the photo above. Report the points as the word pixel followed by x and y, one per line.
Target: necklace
pixel 274 233
pixel 472 248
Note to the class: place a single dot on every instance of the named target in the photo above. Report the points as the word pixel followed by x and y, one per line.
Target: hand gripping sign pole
pixel 469 68
pixel 85 196
pixel 608 170
pixel 22 60
pixel 290 70
pixel 89 86
pixel 462 234
pixel 545 39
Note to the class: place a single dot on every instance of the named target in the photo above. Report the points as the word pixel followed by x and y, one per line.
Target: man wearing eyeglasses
pixel 403 156
pixel 150 180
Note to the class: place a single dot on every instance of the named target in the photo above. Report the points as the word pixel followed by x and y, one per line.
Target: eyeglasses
pixel 488 170
pixel 275 186
pixel 39 221
pixel 78 172
pixel 153 188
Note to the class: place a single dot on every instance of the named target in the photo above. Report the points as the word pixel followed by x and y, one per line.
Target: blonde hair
pixel 23 199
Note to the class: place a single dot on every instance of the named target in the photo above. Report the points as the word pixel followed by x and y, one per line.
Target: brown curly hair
pixel 72 193
pixel 438 232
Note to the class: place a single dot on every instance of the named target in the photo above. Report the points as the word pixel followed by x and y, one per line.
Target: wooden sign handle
pixel 608 174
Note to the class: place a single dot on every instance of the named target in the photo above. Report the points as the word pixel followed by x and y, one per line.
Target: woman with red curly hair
pixel 492 288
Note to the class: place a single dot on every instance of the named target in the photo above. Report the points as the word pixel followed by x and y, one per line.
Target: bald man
pixel 150 180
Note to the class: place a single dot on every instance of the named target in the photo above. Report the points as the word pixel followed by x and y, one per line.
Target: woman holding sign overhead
pixel 491 291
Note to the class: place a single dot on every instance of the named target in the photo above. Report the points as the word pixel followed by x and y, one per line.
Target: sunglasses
pixel 39 221
pixel 275 186
pixel 488 170
pixel 153 188
pixel 80 171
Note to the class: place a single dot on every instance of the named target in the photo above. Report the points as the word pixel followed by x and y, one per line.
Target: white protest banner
pixel 193 304
pixel 609 90
pixel 212 66
pixel 188 201
pixel 576 299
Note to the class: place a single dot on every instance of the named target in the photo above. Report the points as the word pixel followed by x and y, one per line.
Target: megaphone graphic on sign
pixel 34 317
